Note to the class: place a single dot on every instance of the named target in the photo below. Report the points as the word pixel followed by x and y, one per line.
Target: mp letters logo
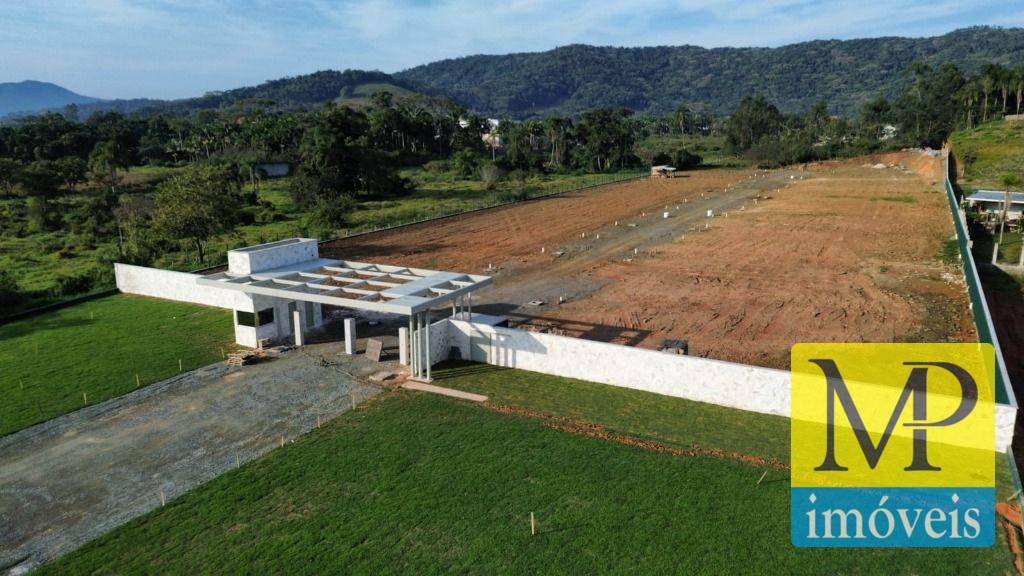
pixel 892 445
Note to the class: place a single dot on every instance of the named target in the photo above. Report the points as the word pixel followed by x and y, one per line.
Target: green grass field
pixel 97 348
pixel 988 151
pixel 413 483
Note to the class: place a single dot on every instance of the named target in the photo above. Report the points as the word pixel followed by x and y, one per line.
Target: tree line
pixel 68 179
pixel 934 102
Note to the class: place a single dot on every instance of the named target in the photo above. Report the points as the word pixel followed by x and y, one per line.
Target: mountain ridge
pixel 34 95
pixel 570 79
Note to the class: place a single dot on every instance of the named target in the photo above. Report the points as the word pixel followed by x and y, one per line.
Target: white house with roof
pixel 992 201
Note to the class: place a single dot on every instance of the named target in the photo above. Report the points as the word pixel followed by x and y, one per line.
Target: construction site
pixel 558 310
pixel 741 264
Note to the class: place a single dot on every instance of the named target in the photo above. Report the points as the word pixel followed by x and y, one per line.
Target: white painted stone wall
pixel 440 341
pixel 171 285
pixel 272 255
pixel 751 388
pixel 724 383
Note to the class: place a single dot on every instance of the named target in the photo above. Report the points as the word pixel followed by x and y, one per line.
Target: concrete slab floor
pixel 69 480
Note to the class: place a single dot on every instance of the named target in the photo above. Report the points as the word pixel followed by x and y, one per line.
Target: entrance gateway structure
pixel 284 285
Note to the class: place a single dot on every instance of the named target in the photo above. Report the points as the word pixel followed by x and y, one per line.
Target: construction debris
pixel 246 357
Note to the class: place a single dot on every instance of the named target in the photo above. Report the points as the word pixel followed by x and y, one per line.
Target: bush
pixel 661 159
pixel 10 295
pixel 438 166
pixel 684 159
pixel 491 175
pixel 329 215
pixel 465 163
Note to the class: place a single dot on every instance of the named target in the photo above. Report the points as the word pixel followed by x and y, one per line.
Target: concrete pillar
pixel 350 335
pixel 403 346
pixel 297 321
pixel 426 353
pixel 995 253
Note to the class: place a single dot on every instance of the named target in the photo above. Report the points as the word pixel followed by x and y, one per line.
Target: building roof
pixel 996 196
pixel 359 285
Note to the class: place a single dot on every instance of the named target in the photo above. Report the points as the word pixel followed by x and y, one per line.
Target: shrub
pixel 491 175
pixel 437 166
pixel 465 163
pixel 684 159
pixel 10 294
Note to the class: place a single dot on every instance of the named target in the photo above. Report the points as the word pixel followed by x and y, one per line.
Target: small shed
pixel 663 171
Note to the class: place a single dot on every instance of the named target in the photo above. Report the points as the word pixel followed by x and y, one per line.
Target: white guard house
pixel 286 284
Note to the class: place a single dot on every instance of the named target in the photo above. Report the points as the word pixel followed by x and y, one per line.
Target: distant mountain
pixel 32 96
pixel 304 91
pixel 571 79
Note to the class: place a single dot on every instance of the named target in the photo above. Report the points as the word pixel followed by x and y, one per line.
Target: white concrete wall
pixel 440 341
pixel 724 383
pixel 170 285
pixel 751 388
pixel 272 255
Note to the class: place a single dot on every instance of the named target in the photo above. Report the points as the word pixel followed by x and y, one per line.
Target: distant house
pixel 991 202
pixel 274 169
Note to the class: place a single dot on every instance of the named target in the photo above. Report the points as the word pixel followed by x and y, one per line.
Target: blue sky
pixel 179 48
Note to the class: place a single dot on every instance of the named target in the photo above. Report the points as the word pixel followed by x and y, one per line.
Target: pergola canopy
pixel 359 285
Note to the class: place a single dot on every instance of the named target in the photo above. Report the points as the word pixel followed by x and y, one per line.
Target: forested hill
pixel 32 95
pixel 571 79
pixel 304 91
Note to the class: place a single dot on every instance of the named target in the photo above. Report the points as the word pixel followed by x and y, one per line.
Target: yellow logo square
pixel 893 415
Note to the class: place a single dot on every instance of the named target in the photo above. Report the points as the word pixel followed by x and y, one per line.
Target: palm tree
pixel 969 97
pixel 1018 78
pixel 988 82
pixel 1008 181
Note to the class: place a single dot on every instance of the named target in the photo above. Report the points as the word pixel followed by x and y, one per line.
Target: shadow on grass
pixel 23 328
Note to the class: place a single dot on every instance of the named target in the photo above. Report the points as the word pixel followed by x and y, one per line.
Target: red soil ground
pixel 840 252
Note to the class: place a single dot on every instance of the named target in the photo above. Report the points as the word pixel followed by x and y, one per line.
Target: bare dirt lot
pixel 837 251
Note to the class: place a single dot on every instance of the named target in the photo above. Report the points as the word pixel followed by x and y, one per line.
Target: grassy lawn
pixel 97 348
pixel 422 484
pixel 988 151
pixel 668 420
